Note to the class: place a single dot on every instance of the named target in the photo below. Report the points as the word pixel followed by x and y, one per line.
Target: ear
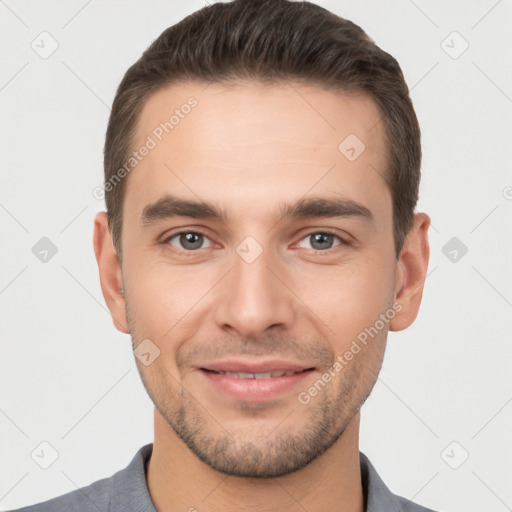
pixel 111 278
pixel 411 273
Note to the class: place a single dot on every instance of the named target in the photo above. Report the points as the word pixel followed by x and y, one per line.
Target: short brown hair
pixel 271 41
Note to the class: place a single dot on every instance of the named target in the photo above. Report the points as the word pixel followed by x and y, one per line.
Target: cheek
pixel 350 298
pixel 162 297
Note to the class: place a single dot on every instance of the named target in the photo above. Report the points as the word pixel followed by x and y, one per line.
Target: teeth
pixel 267 375
pixel 246 375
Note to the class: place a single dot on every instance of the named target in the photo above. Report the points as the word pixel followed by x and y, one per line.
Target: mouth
pixel 254 382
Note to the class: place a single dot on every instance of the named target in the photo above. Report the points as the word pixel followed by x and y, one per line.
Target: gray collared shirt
pixel 127 491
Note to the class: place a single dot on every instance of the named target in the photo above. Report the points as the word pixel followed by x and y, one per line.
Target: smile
pixel 250 382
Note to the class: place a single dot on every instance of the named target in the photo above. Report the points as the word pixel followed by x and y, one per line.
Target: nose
pixel 254 297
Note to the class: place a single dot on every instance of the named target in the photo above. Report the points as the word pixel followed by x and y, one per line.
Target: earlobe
pixel 411 273
pixel 111 278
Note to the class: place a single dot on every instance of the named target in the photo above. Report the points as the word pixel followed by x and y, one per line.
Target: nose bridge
pixel 252 298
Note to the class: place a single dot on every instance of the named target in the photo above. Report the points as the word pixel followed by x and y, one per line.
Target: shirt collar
pixel 130 492
pixel 129 488
pixel 377 496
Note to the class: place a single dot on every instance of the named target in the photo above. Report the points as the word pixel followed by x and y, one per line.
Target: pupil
pixel 321 238
pixel 191 240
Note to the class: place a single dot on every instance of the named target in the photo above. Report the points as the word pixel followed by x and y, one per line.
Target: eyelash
pixel 343 242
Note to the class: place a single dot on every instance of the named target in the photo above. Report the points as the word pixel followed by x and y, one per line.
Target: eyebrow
pixel 170 206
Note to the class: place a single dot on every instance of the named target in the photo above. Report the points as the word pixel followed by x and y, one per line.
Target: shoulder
pixel 123 491
pixel 95 496
pixel 408 506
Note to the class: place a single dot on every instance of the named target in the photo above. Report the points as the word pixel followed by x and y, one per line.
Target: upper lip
pixel 239 366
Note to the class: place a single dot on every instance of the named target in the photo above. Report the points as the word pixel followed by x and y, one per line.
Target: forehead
pixel 250 142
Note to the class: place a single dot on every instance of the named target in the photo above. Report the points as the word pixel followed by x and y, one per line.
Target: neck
pixel 179 481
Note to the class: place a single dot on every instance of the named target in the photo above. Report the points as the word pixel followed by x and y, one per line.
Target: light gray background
pixel 69 378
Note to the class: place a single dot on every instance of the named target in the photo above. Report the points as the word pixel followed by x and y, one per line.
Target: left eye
pixel 320 241
pixel 189 240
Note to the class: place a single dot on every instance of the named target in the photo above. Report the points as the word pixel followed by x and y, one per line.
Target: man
pixel 262 165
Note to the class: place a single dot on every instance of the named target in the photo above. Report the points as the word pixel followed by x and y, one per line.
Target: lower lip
pixel 255 389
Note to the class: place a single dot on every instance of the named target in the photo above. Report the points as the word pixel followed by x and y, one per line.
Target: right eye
pixel 187 241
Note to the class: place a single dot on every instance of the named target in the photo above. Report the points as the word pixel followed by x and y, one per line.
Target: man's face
pixel 257 291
